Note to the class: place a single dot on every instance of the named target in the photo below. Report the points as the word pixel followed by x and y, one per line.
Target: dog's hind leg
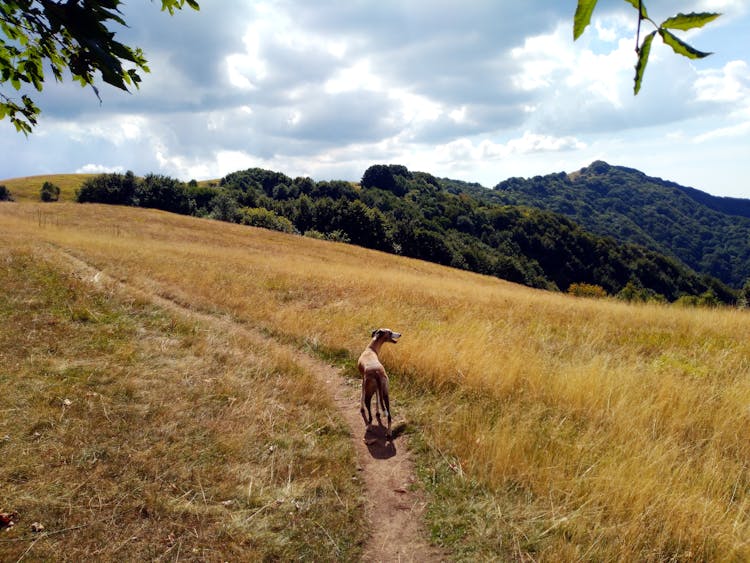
pixel 365 401
pixel 386 403
pixel 378 402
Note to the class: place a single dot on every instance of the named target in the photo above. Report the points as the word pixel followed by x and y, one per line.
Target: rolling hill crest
pixel 709 234
pixel 550 232
pixel 417 215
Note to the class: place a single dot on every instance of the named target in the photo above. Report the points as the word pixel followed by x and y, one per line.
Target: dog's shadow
pixel 377 443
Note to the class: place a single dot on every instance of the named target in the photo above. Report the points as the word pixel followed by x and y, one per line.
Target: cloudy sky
pixel 476 90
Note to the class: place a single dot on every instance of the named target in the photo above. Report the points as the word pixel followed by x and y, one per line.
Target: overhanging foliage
pixel 74 36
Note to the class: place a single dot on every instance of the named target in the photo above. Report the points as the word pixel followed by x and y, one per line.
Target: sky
pixel 474 90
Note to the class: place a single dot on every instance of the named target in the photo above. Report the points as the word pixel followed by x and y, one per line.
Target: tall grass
pixel 551 427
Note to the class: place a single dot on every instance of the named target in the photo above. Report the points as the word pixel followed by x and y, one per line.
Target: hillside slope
pixel 709 234
pixel 409 213
pixel 414 214
pixel 549 427
pixel 27 188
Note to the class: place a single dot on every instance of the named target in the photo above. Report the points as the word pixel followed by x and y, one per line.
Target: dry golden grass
pixel 551 428
pixel 133 434
pixel 27 188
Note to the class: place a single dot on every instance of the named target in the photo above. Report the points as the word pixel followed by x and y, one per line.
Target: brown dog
pixel 374 378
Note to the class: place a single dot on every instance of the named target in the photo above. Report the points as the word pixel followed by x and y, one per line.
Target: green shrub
pixel 224 208
pixel 115 189
pixel 335 236
pixel 49 192
pixel 338 236
pixel 636 292
pixel 743 300
pixel 709 299
pixel 312 233
pixel 266 219
pixel 5 193
pixel 687 301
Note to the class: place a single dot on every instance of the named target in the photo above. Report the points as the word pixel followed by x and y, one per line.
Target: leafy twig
pixel 682 22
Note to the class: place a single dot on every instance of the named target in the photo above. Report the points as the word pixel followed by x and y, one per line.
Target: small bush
pixel 687 301
pixel 706 299
pixel 312 233
pixel 266 219
pixel 335 236
pixel 709 298
pixel 338 236
pixel 636 292
pixel 5 193
pixel 49 192
pixel 743 298
pixel 223 207
pixel 587 290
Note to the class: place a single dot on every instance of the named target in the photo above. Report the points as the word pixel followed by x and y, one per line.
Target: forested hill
pixel 410 213
pixel 709 234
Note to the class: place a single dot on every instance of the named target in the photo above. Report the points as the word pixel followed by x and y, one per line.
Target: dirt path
pixel 394 509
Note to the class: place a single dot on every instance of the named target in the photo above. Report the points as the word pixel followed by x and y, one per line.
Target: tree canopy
pixel 74 36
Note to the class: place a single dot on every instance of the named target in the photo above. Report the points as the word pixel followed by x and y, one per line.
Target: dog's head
pixel 386 335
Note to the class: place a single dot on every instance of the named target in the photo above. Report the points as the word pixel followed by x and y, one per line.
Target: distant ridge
pixel 727 205
pixel 707 233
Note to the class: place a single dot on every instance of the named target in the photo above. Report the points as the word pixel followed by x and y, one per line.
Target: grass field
pixel 27 188
pixel 547 427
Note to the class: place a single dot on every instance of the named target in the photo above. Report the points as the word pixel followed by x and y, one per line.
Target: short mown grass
pixel 130 433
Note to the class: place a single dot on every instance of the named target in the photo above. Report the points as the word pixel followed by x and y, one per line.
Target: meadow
pixel 546 427
pixel 26 188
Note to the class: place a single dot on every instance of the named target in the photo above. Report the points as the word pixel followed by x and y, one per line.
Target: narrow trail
pixel 394 509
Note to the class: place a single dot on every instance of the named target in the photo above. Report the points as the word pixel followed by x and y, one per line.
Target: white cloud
pixel 728 84
pixel 728 8
pixel 611 29
pixel 729 87
pixel 357 76
pixel 553 62
pixel 463 150
pixel 117 130
pixel 99 169
pixel 738 130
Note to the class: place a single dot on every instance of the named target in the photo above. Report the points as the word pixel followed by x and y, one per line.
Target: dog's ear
pixel 374 332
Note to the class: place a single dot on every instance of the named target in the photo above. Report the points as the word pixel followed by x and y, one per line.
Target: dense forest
pixel 709 234
pixel 414 214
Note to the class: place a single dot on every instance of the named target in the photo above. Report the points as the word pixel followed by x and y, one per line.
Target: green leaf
pixel 689 21
pixel 680 47
pixel 640 66
pixel 583 17
pixel 634 3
